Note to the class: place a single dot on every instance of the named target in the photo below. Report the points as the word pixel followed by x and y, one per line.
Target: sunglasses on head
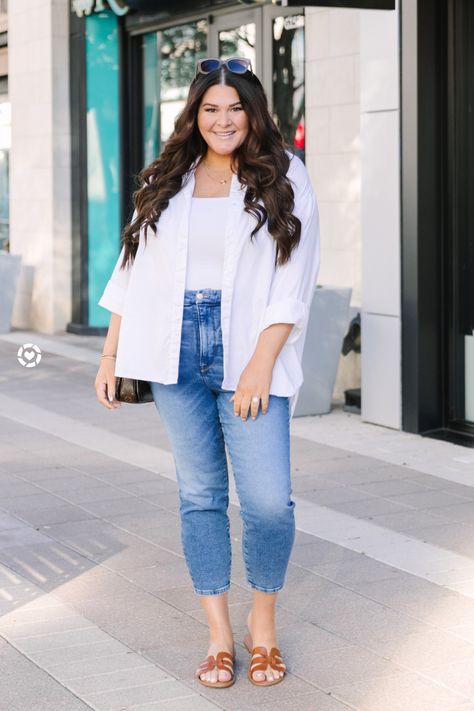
pixel 237 65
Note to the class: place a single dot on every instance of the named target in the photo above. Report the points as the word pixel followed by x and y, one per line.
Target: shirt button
pixel 199 295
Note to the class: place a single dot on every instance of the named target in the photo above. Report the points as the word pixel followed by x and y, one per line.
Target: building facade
pixel 375 100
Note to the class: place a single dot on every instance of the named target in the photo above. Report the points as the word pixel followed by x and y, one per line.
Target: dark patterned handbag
pixel 134 391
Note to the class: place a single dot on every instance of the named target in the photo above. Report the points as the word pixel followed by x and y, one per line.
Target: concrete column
pixel 381 234
pixel 40 193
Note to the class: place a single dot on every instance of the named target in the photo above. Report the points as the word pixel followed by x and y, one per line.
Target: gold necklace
pixel 217 180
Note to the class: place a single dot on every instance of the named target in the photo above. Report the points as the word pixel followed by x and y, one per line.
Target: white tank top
pixel 207 223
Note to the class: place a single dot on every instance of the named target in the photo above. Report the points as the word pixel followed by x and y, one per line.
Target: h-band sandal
pixel 223 661
pixel 261 660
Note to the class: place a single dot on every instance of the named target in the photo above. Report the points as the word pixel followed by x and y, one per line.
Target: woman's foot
pixel 217 675
pixel 263 635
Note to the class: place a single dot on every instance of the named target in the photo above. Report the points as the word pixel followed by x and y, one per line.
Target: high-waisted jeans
pixel 199 419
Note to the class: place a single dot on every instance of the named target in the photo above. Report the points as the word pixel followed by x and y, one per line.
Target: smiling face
pixel 221 119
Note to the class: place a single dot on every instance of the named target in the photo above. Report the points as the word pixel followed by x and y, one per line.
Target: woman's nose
pixel 224 120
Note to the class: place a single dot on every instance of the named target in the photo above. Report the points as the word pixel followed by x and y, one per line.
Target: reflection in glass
pixel 169 66
pixel 288 80
pixel 151 98
pixel 238 42
pixel 5 144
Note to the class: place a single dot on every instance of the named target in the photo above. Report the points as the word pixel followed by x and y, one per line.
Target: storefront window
pixel 151 98
pixel 238 42
pixel 103 155
pixel 462 188
pixel 169 59
pixel 288 79
pixel 169 64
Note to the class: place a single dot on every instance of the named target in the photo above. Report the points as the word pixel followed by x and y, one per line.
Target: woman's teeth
pixel 224 135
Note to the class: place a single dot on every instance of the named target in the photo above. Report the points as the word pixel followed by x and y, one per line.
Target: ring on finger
pixel 255 399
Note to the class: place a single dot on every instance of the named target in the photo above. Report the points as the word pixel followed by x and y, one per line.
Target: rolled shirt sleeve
pixel 113 296
pixel 294 282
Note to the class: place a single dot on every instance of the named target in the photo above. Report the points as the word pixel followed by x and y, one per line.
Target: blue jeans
pixel 199 419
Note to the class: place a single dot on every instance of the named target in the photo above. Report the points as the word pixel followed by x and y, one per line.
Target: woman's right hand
pixel 105 384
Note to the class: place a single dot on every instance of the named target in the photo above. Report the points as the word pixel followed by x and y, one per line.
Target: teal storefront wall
pixel 103 156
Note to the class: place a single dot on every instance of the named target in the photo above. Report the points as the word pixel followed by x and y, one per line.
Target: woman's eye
pixel 235 108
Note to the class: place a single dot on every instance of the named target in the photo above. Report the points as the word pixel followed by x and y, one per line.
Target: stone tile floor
pixel 96 608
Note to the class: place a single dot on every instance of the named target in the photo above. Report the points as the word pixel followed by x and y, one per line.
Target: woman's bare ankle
pixel 262 629
pixel 221 637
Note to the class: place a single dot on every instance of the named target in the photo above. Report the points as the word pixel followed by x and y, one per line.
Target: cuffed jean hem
pixel 219 591
pixel 265 590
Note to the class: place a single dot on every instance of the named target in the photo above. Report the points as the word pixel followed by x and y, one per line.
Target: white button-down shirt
pixel 149 294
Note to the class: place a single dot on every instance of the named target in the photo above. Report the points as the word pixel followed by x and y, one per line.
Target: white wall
pixel 40 229
pixel 380 150
pixel 332 40
pixel 353 144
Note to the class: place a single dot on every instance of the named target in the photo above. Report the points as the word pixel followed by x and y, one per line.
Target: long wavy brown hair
pixel 260 162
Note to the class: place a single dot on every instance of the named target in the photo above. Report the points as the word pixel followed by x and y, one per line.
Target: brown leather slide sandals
pixel 223 661
pixel 261 660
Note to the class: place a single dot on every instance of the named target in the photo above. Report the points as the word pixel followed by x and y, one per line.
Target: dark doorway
pixel 437 60
pixel 460 203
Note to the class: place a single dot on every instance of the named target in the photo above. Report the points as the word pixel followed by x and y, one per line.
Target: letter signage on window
pixel 85 7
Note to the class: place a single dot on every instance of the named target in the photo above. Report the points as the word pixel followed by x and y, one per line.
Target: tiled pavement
pixel 96 609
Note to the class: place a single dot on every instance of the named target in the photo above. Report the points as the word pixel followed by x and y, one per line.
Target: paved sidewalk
pixel 96 607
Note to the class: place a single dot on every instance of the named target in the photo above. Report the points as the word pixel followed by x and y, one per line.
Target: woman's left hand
pixel 254 381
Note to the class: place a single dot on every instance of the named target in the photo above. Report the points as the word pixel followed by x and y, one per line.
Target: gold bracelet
pixel 108 356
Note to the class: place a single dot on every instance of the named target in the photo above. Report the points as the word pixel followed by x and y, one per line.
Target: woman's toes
pixel 224 675
pixel 259 676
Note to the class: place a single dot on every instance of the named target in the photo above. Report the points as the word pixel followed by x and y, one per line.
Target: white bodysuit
pixel 206 242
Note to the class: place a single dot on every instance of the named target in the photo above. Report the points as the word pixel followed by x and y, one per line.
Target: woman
pixel 212 311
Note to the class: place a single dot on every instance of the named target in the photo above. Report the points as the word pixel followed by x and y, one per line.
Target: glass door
pixel 169 60
pixel 460 189
pixel 271 37
pixel 238 34
pixel 284 72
